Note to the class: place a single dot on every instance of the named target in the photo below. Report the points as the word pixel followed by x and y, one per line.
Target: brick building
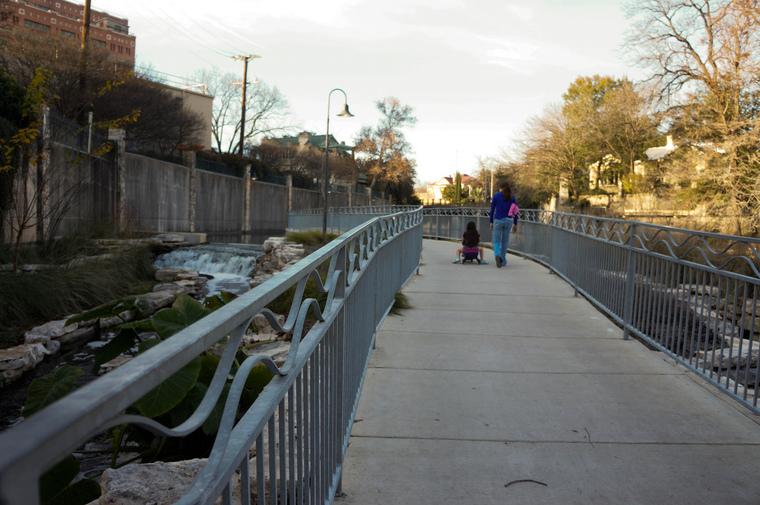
pixel 64 19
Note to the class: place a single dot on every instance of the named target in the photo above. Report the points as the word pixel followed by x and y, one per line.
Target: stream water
pixel 228 266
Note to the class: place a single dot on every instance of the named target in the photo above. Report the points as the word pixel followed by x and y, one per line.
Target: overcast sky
pixel 473 70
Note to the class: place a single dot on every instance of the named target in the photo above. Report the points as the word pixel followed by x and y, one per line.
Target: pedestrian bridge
pixel 607 361
pixel 503 387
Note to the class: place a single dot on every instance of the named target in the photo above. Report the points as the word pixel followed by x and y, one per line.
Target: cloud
pixel 521 12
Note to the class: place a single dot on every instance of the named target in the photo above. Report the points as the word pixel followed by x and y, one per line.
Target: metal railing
pixel 692 295
pixel 299 425
pixel 341 219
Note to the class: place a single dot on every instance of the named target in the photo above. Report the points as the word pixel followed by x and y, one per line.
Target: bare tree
pixel 699 49
pixel 555 153
pixel 267 110
pixel 23 52
pixel 704 59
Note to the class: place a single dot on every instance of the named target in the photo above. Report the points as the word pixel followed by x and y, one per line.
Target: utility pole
pixel 86 25
pixel 245 83
pixel 85 46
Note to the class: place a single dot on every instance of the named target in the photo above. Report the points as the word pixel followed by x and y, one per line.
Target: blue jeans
pixel 501 231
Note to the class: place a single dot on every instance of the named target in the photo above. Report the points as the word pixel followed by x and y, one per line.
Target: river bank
pixel 54 344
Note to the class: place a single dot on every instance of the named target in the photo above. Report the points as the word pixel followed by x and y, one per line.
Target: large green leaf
pixel 258 379
pixel 58 478
pixel 208 367
pixel 217 301
pixel 172 391
pixel 188 405
pixel 45 390
pixel 211 424
pixel 110 309
pixel 79 493
pixel 184 312
pixel 120 344
pixel 140 324
pixel 56 487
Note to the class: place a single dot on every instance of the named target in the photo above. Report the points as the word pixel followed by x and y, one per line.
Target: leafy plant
pixel 169 403
pixel 57 486
pixel 400 304
pixel 309 237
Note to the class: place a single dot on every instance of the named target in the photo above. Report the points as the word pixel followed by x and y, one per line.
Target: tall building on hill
pixel 59 18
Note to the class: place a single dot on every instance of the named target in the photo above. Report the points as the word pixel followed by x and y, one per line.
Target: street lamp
pixel 326 180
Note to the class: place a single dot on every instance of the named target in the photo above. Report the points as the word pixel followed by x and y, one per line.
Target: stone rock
pixel 165 286
pixel 113 364
pixel 261 323
pixel 175 274
pixel 730 357
pixel 153 484
pixel 169 238
pixel 53 329
pixel 259 279
pixel 152 302
pixel 110 322
pixel 17 360
pixel 164 483
pixel 271 243
pixel 278 351
pixel 58 330
pixel 278 255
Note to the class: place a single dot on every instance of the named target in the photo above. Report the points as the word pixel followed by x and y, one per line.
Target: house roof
pixel 310 139
pixel 449 181
pixel 656 153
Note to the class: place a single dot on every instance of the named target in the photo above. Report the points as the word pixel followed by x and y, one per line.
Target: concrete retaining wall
pixel 268 207
pixel 143 194
pixel 218 202
pixel 156 195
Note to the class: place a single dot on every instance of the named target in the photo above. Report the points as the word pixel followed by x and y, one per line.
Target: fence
pixel 692 295
pixel 300 423
pixel 340 219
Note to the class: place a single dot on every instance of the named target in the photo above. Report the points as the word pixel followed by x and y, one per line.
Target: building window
pixel 36 26
pixel 98 43
pixel 68 35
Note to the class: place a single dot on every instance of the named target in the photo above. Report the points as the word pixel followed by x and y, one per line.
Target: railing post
pixel 576 261
pixel 630 282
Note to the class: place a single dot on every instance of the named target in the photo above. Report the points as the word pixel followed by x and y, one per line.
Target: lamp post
pixel 326 179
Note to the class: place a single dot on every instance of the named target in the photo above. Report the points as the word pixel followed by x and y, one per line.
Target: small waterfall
pixel 230 265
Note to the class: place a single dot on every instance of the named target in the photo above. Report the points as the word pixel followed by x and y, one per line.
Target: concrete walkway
pixel 501 387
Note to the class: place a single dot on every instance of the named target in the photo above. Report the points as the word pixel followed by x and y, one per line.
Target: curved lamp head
pixel 344 112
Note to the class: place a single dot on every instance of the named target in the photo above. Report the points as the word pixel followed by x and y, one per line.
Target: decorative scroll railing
pixel 300 423
pixel 692 295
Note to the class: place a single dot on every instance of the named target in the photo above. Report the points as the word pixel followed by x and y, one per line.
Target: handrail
pixel 690 294
pixel 304 415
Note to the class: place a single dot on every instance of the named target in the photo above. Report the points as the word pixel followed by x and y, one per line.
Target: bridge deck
pixel 500 386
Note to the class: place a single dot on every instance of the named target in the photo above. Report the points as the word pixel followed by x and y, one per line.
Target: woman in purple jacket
pixel 503 221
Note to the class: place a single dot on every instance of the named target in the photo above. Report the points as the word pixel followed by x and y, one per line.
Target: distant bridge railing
pixel 299 425
pixel 341 219
pixel 692 295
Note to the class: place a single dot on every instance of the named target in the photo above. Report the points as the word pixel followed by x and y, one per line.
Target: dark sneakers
pixel 498 261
